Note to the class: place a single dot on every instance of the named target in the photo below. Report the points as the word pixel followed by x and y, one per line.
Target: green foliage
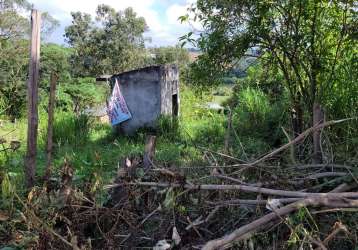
pixel 54 59
pixel 199 124
pixel 255 111
pixel 211 131
pixel 203 72
pixel 341 102
pixel 267 78
pixel 224 90
pixel 79 94
pixel 112 44
pixel 71 129
pixel 302 225
pixel 7 192
pixel 306 41
pixel 14 53
pixel 13 26
pixel 168 126
pixel 255 104
pixel 172 55
pixel 164 55
pixel 259 105
pixel 13 68
pixel 64 101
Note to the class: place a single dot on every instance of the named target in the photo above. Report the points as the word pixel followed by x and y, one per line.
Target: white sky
pixel 161 16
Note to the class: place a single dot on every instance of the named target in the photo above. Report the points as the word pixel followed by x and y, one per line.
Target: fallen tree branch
pixel 244 188
pixel 344 187
pixel 341 188
pixel 325 174
pixel 250 202
pixel 334 210
pixel 328 165
pixel 293 182
pixel 281 212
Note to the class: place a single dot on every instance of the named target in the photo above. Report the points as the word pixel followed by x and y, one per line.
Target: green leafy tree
pixel 13 64
pixel 306 39
pixel 170 54
pixel 54 59
pixel 112 43
pixel 13 56
pixel 14 53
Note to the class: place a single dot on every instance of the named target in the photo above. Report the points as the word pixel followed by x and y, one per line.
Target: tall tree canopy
pixel 111 43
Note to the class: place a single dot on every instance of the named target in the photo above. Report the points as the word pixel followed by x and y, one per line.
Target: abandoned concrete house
pixel 148 92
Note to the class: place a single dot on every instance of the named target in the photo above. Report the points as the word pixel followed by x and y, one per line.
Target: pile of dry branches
pixel 208 207
pixel 280 202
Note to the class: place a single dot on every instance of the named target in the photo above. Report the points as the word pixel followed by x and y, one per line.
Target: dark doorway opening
pixel 175 105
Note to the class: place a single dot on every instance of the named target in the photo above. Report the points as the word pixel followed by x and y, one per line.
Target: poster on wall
pixel 116 107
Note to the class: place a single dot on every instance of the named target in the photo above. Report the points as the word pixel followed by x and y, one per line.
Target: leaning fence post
pixel 32 99
pixel 51 108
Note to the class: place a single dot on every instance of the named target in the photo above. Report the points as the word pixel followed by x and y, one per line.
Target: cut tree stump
pixel 149 151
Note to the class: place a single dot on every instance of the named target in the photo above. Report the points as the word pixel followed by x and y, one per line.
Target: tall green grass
pixel 257 120
pixel 71 129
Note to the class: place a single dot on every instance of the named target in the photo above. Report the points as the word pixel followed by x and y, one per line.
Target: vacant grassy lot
pixel 94 147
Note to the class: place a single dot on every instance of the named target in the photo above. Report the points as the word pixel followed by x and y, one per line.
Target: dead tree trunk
pixel 32 99
pixel 51 108
pixel 318 118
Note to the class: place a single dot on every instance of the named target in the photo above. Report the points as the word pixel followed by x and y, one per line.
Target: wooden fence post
pixel 32 99
pixel 51 108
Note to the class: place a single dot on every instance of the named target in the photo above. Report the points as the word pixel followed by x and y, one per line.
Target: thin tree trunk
pixel 297 125
pixel 51 108
pixel 318 118
pixel 32 95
